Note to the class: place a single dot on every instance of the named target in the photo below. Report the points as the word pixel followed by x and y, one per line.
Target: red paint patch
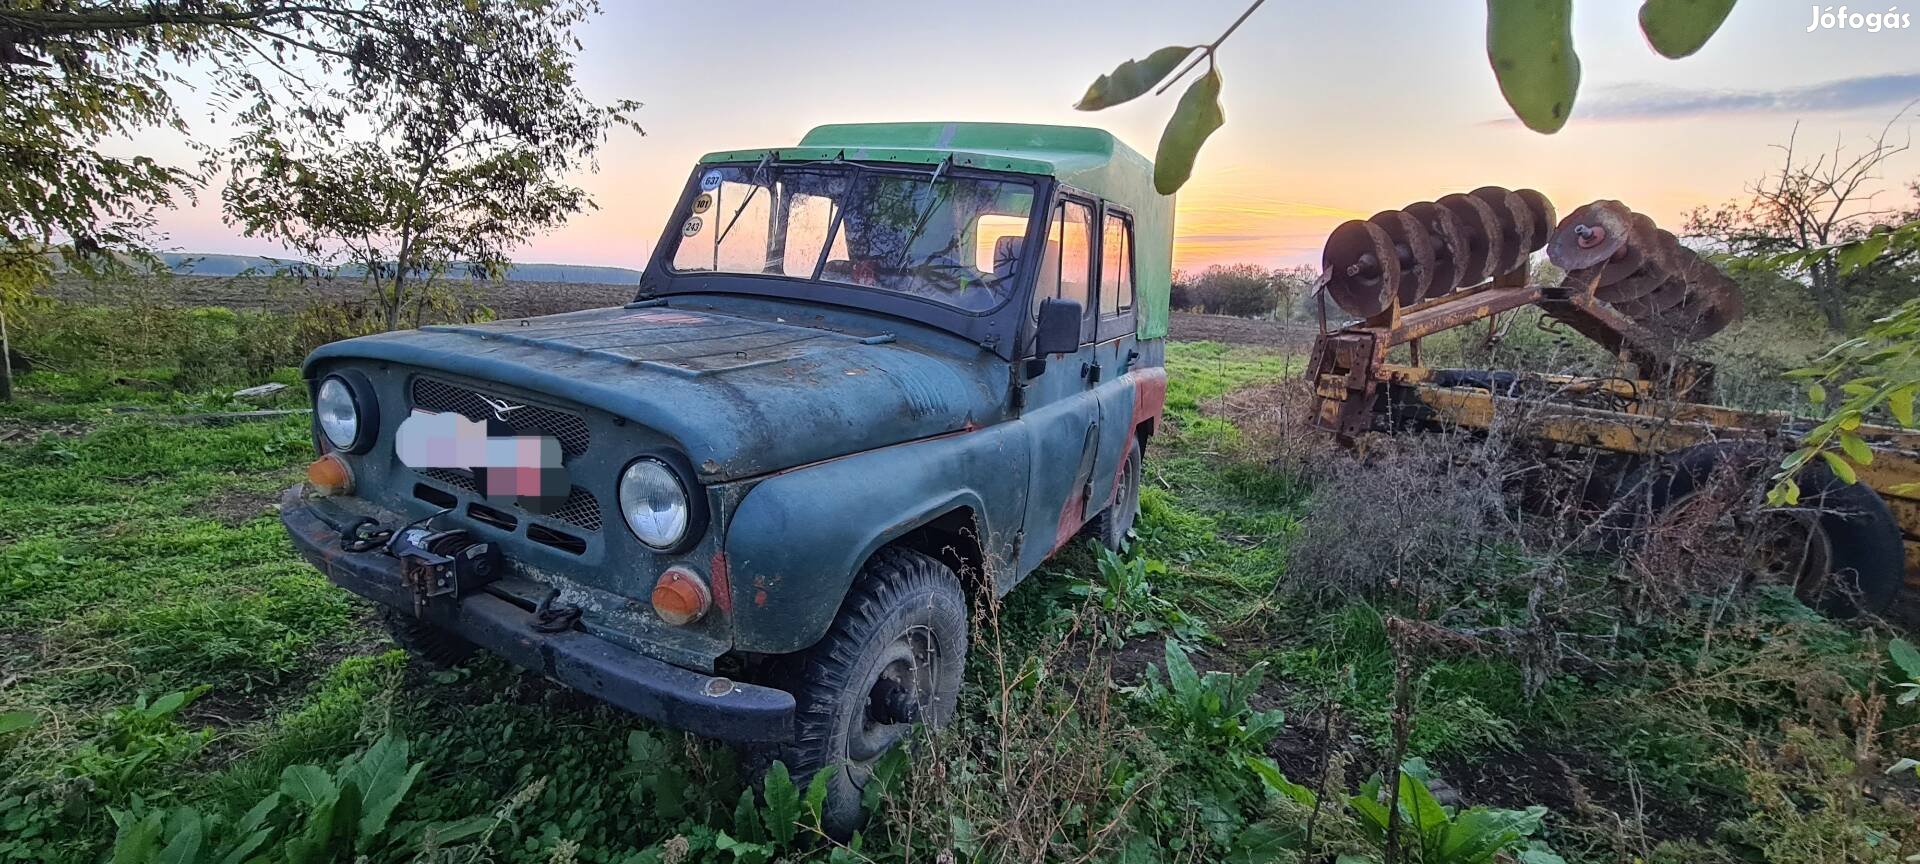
pixel 759 598
pixel 1072 516
pixel 1149 400
pixel 1149 394
pixel 722 589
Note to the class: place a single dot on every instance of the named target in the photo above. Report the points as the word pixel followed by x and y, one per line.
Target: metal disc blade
pixel 1542 212
pixel 1589 235
pixel 1516 227
pixel 1444 233
pixel 1481 231
pixel 1633 287
pixel 1361 268
pixel 1413 248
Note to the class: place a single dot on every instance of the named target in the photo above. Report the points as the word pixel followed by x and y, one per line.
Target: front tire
pixel 893 658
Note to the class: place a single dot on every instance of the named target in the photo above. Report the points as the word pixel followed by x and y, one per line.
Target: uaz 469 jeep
pixel 863 377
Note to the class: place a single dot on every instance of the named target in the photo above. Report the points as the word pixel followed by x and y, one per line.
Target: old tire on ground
pixel 894 657
pixel 1850 556
pixel 1111 526
pixel 425 641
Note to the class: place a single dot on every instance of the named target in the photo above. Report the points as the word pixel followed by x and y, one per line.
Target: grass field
pixel 167 660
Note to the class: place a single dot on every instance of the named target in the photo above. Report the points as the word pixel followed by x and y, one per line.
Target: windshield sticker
pixel 703 203
pixel 692 227
pixel 710 181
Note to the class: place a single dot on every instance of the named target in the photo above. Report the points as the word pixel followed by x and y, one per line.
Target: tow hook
pixel 549 617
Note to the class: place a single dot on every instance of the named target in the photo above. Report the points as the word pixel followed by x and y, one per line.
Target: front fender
pixel 798 538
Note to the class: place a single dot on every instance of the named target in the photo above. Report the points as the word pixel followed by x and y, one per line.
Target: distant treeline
pixel 257 265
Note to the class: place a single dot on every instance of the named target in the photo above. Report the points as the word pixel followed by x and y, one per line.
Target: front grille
pixel 570 429
pixel 581 508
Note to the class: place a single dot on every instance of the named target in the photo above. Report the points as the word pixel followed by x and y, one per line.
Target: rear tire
pixel 893 658
pixel 1112 525
pixel 435 646
pixel 1859 542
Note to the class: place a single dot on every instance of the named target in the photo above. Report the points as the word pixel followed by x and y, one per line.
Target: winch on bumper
pixel 682 698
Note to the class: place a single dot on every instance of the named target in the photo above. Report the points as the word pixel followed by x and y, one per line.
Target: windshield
pixel 955 240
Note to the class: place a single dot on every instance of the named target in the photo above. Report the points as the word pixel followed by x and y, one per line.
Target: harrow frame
pixel 1661 399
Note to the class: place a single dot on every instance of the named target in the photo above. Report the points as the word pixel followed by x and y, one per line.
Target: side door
pixel 1114 353
pixel 1060 415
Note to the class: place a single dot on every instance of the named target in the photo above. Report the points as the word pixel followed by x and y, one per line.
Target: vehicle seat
pixel 1006 256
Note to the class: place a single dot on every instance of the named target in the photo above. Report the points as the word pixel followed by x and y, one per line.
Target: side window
pixel 1067 271
pixel 1116 265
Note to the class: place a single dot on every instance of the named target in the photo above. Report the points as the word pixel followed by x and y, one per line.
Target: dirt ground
pixel 1195 327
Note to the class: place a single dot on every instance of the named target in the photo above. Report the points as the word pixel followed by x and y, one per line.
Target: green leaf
pixel 136 843
pixel 1816 393
pixel 1856 448
pixel 15 721
pixel 184 846
pixel 1530 44
pixel 1271 775
pixel 783 803
pixel 1900 405
pixel 1854 256
pixel 308 784
pixel 1677 28
pixel 1196 117
pixel 1839 466
pixel 816 797
pixel 886 772
pixel 746 818
pixel 1419 807
pixel 383 775
pixel 1132 79
pixel 165 706
pixel 1180 675
pixel 1906 657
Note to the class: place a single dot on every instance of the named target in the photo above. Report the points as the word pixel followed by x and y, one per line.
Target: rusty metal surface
pixel 1626 260
pixel 1361 268
pixel 1401 258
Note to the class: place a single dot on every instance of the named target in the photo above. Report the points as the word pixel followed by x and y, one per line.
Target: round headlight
pixel 654 503
pixel 339 416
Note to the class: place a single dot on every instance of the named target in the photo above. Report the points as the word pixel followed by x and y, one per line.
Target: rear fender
pixel 797 539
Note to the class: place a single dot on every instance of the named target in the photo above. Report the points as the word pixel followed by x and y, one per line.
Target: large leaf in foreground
pixel 1530 44
pixel 1197 115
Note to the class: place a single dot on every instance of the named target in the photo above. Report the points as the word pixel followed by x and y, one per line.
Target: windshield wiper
pixel 759 171
pixel 920 222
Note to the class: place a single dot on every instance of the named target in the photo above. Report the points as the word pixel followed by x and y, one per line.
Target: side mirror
pixel 1058 330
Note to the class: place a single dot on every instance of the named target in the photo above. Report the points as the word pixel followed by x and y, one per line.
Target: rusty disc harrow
pixel 1643 272
pixel 1433 248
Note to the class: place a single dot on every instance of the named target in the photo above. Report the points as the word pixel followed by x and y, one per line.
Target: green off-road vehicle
pixel 864 378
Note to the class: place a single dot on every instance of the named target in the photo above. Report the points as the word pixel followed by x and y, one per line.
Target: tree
pixel 1245 290
pixel 1809 208
pixel 77 73
pixel 464 158
pixel 1529 47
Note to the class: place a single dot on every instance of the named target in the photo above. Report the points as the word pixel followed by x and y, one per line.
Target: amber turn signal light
pixel 329 475
pixel 681 596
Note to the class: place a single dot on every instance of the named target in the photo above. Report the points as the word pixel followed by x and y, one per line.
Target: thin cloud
pixel 1642 101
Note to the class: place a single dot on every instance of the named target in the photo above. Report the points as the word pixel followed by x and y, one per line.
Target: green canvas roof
pixel 1090 160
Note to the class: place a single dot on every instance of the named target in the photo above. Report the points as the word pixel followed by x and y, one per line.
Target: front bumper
pixel 656 690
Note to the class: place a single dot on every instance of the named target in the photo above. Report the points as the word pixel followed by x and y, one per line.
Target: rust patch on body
pixel 722 589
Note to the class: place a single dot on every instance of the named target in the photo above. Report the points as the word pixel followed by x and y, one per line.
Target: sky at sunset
pixel 1335 109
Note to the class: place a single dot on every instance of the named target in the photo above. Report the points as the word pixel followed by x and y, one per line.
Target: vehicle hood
pixel 744 395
